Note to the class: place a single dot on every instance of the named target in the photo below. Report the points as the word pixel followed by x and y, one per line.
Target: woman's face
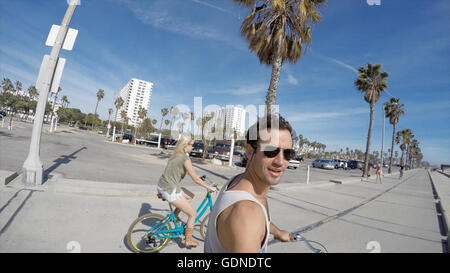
pixel 189 146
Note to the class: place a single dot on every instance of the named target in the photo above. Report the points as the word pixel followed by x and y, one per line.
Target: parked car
pixel 222 150
pixel 294 163
pixel 326 164
pixel 2 114
pixel 127 136
pixel 338 163
pixel 197 149
pixel 355 164
pixel 316 163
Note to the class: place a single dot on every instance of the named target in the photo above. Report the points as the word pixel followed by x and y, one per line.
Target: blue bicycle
pixel 151 232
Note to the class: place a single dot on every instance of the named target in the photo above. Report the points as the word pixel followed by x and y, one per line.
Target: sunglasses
pixel 272 151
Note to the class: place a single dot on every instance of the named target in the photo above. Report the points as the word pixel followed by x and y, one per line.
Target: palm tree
pixel 278 30
pixel 173 113
pixel 185 116
pixel 32 92
pixel 18 87
pixel 65 101
pixel 403 137
pixel 393 110
pixel 167 122
pixel 164 112
pixel 100 95
pixel 118 103
pixel 123 115
pixel 142 112
pixel 7 85
pixel 371 81
pixel 110 111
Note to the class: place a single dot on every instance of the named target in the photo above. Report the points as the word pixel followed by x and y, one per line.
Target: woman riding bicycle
pixel 169 185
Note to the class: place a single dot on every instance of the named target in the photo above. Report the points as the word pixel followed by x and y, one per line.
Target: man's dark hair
pixel 274 121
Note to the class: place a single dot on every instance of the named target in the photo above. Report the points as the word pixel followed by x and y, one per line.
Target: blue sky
pixel 193 48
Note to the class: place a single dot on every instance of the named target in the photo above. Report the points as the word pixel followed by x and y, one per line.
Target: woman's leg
pixel 183 204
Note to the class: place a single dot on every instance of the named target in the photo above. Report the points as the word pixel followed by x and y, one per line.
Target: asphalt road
pixel 77 154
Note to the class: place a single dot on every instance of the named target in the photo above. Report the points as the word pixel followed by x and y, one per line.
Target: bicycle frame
pixel 179 230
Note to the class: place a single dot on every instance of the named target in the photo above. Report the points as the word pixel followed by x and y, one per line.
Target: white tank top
pixel 226 199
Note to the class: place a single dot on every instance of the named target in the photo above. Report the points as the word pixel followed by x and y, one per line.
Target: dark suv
pixel 355 164
pixel 197 149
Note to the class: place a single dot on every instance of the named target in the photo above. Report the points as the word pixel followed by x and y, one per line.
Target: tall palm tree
pixel 118 103
pixel 100 95
pixel 174 112
pixel 278 31
pixel 110 111
pixel 7 85
pixel 164 112
pixel 123 115
pixel 142 112
pixel 371 81
pixel 393 111
pixel 403 137
pixel 18 87
pixel 65 101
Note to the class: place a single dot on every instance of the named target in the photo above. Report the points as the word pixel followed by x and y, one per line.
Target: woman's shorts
pixel 170 197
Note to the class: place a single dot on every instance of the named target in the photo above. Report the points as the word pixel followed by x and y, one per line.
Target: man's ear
pixel 249 151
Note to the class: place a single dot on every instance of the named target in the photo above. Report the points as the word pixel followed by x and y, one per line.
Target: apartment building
pixel 135 94
pixel 225 120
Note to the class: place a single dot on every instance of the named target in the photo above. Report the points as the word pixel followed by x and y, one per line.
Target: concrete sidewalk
pixel 65 215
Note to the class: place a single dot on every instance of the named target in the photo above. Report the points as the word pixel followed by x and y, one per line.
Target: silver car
pixel 327 164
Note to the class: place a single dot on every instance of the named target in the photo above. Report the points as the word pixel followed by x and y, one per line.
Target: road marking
pixel 329 219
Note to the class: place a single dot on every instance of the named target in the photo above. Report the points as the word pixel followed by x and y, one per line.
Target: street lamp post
pixel 32 167
pixel 382 137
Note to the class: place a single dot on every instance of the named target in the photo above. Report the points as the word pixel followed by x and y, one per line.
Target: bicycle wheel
pixel 204 226
pixel 139 237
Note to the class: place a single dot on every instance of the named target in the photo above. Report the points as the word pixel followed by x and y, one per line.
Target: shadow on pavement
pixel 63 159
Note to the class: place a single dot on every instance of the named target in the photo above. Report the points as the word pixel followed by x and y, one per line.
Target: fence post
pixel 307 174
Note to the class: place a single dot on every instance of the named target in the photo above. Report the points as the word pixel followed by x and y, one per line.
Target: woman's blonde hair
pixel 181 144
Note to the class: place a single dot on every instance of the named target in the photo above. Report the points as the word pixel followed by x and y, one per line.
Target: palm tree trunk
pixel 95 113
pixel 369 134
pixel 392 148
pixel 271 96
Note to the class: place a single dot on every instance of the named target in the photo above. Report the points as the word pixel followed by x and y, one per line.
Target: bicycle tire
pixel 204 226
pixel 137 235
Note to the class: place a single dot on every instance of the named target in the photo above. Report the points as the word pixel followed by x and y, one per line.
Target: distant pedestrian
pixel 401 171
pixel 345 166
pixel 378 173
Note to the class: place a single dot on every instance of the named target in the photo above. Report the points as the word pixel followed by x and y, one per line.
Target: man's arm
pixel 282 235
pixel 241 227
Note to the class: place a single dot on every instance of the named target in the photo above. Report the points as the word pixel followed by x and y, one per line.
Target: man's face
pixel 270 170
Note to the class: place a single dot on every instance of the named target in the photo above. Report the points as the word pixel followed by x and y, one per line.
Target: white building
pixel 135 94
pixel 225 121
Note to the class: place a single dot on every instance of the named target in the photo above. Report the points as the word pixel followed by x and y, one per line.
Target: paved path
pixel 397 216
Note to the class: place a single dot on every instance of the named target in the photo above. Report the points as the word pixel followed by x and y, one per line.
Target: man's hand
pixel 283 235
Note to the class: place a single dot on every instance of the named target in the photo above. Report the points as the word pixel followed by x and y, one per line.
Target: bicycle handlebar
pixel 203 177
pixel 297 238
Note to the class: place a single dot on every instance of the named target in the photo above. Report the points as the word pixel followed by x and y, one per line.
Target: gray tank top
pixel 226 199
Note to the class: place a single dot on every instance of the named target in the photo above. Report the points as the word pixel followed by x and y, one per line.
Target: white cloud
pixel 292 80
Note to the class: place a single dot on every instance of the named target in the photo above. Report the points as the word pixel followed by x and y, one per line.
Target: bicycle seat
pixel 161 197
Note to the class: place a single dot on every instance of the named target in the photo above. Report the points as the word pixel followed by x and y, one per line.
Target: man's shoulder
pixel 243 211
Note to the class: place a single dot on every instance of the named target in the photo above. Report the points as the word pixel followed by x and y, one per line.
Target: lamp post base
pixel 32 175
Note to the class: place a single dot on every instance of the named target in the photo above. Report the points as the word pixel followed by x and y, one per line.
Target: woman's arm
pixel 190 170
